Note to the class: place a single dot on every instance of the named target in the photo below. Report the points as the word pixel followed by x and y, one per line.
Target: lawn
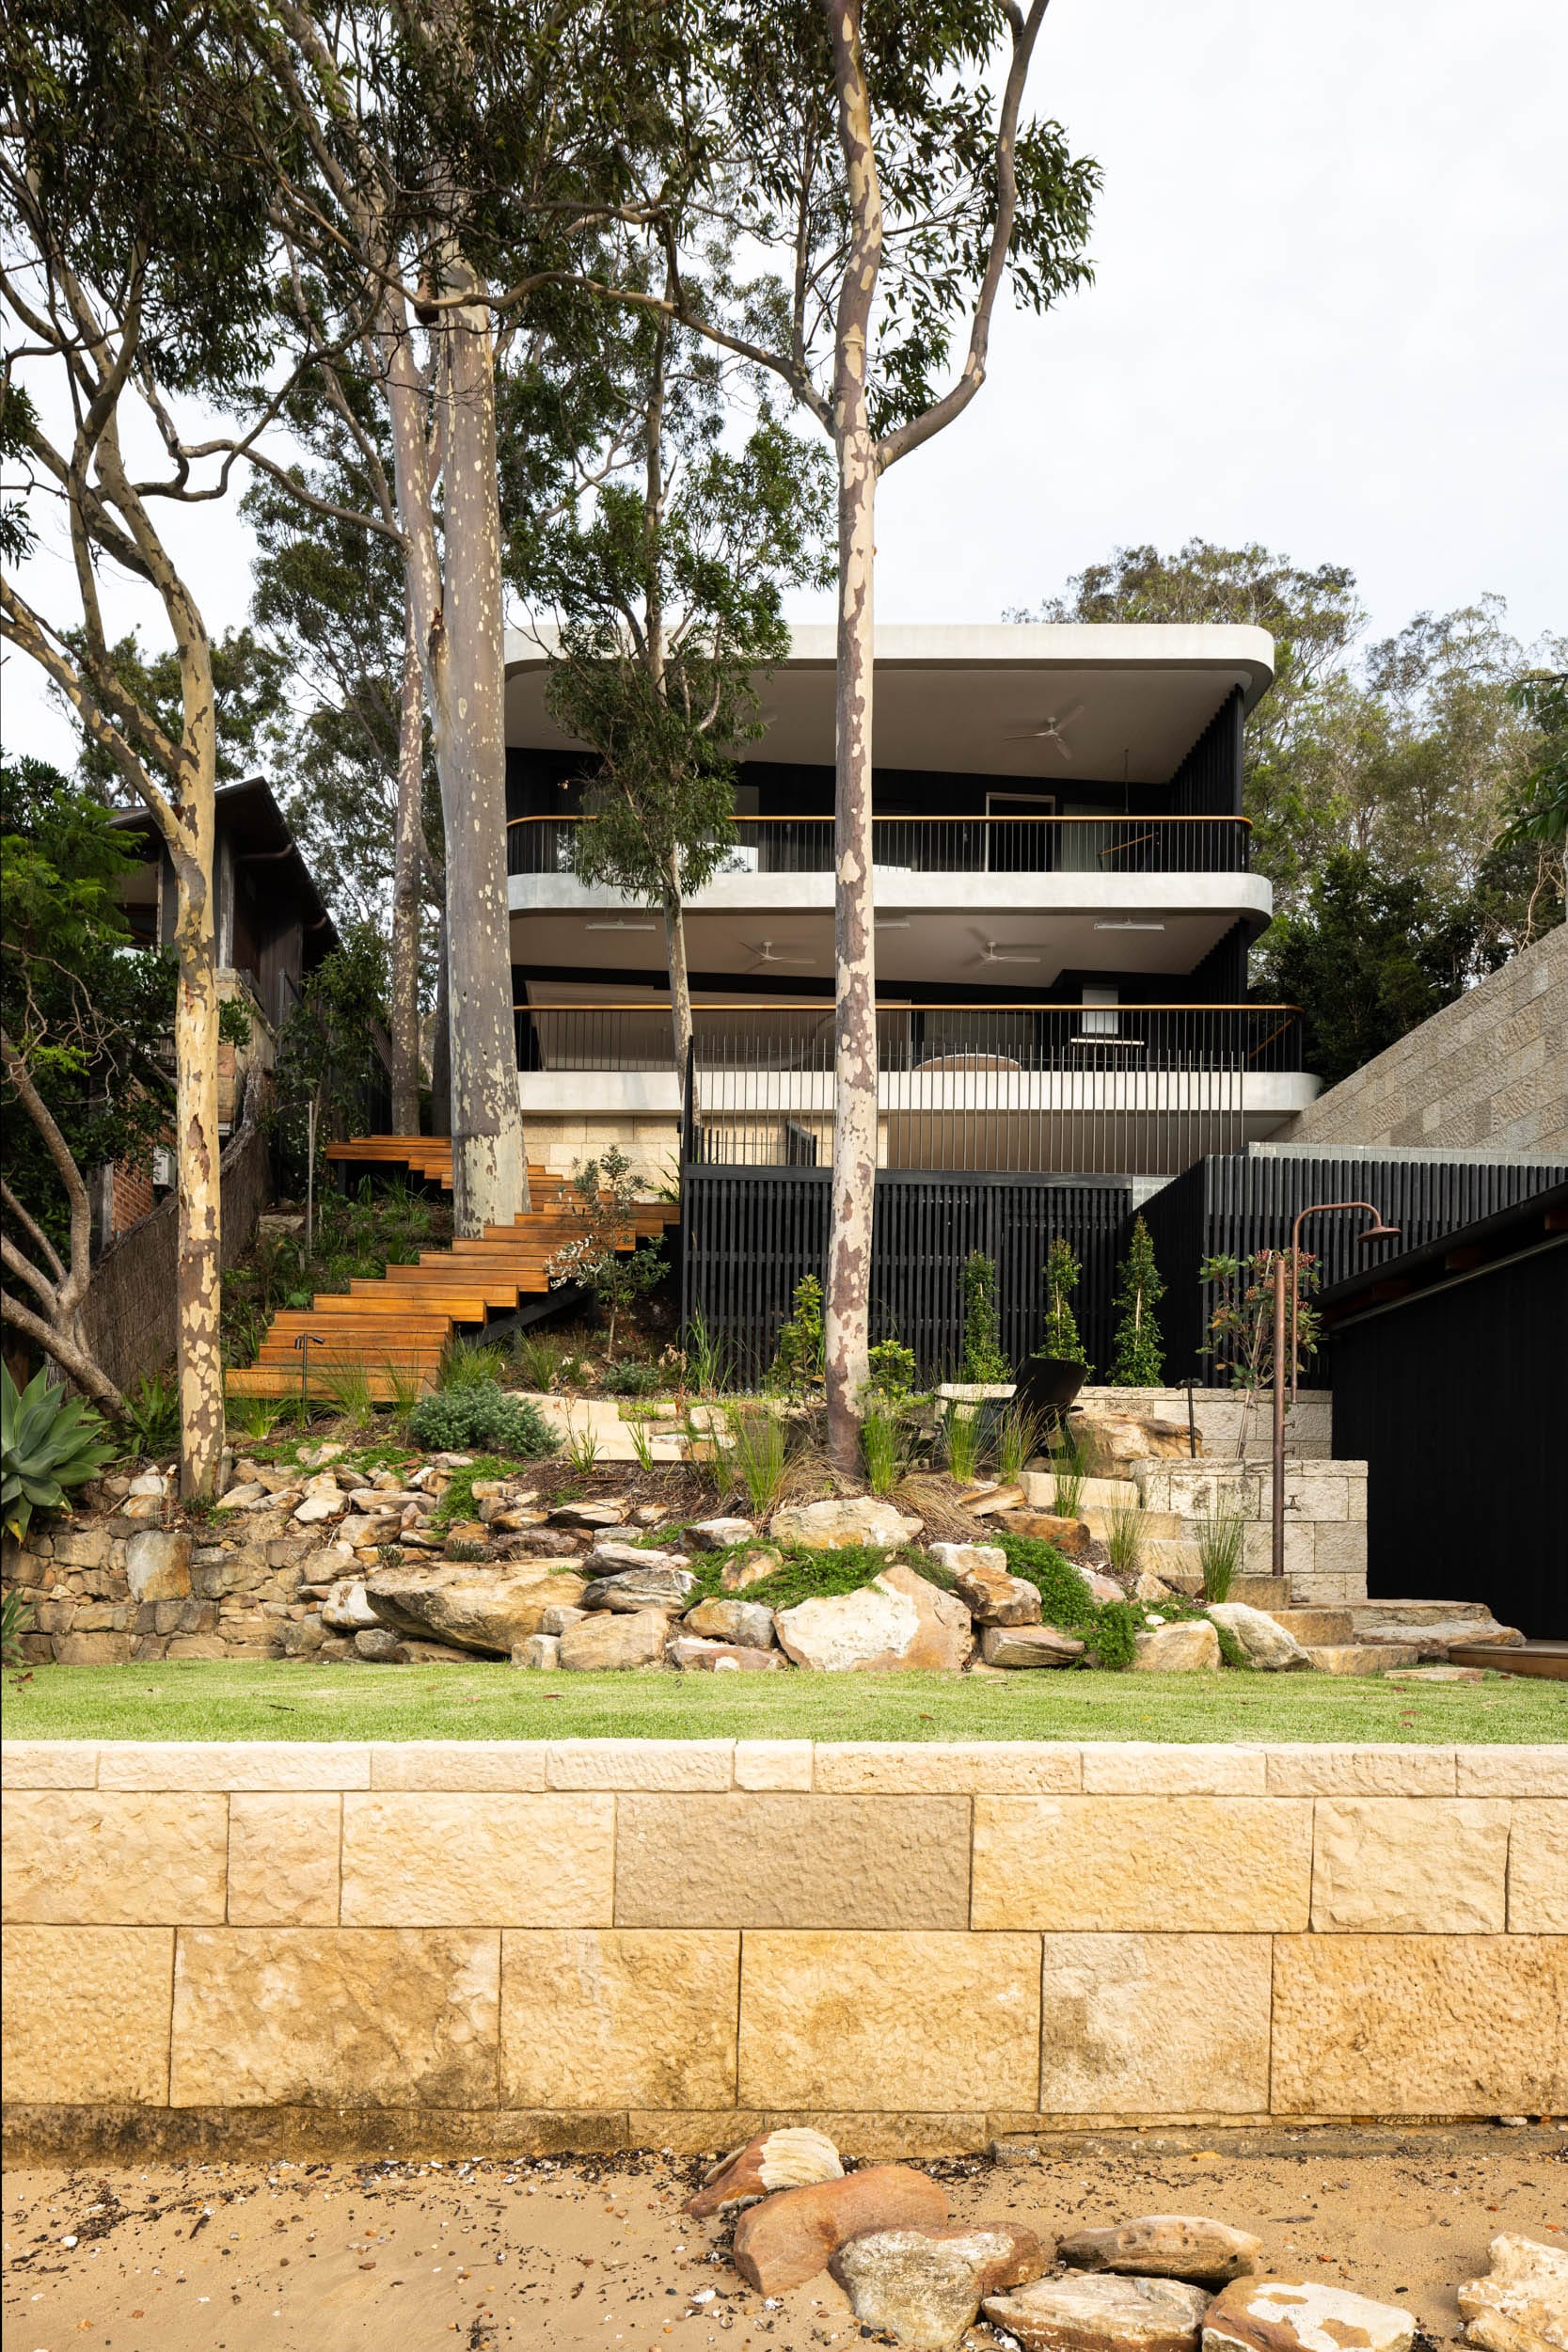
pixel 197 1700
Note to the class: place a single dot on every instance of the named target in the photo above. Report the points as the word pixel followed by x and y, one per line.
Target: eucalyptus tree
pixel 135 267
pixel 878 162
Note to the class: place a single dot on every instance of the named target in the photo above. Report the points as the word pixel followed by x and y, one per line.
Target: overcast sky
pixel 1328 315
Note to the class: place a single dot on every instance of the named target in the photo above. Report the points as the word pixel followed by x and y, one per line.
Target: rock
pixel 979 1575
pixel 720 1534
pixel 1070 1536
pixel 794 2233
pixel 158 1565
pixel 899 1620
pixel 1165 2246
pixel 744 1621
pixel 509 1518
pixel 1099 1587
pixel 751 1567
pixel 1268 1645
pixel 542 1650
pixel 364 1534
pixel 632 1589
pixel 428 1654
pixel 925 2287
pixel 1523 2305
pixel 559 1616
pixel 828 1526
pixel 790 2158
pixel 324 1499
pixel 379 1643
pixel 610 1640
pixel 346 1609
pixel 610 1557
pixel 1437 1674
pixel 317 1456
pixel 475 1606
pixel 1028 1645
pixel 1189 1646
pixel 248 1496
pixel 1303 2315
pixel 142 1507
pixel 585 1515
pixel 693 1655
pixel 148 1482
pixel 1151 1589
pixel 993 1499
pixel 1108 1442
pixel 1102 2314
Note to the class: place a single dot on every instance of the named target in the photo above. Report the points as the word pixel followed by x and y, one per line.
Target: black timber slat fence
pixel 1236 1203
pixel 749 1235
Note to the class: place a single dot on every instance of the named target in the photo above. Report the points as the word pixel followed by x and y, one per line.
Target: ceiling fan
pixel 768 953
pixel 1053 731
pixel 992 952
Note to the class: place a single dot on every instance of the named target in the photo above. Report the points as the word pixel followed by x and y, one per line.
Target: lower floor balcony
pixel 1124 1089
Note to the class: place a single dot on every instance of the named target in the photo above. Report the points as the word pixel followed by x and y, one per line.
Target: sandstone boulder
pixel 852 1519
pixel 790 2158
pixel 1165 2246
pixel 158 1565
pixel 324 1499
pixel 249 1494
pixel 611 1556
pixel 720 1535
pixel 1302 2315
pixel 379 1645
pixel 559 1616
pixel 591 1514
pixel 794 2234
pixel 346 1607
pixel 751 1567
pixel 1268 1645
pixel 609 1640
pixel 1099 1586
pixel 1523 2305
pixel 693 1655
pixel 1070 1536
pixel 1108 1442
pixel 475 1606
pixel 747 1622
pixel 925 2287
pixel 632 1589
pixel 899 1620
pixel 1190 1646
pixel 541 1651
pixel 1028 1645
pixel 985 1500
pixel 1102 2315
pixel 979 1575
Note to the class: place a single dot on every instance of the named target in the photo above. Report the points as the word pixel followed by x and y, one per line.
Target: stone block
pixel 1410 1866
pixel 944 1767
pixel 84 1857
pixel 1420 2025
pixel 233 1764
pixel 92 1649
pixel 283 1859
pixel 48 1764
pixel 773 1764
pixel 1538 1868
pixel 1338 1550
pixel 517 1766
pixel 1146 1863
pixel 784 1861
pixel 874 2023
pixel 1139 1768
pixel 612 2017
pixel 334 2017
pixel 1375 1768
pixel 654 1764
pixel 441 1861
pixel 1130 2025
pixel 158 1565
pixel 1513 1772
pixel 82 1548
pixel 87 2016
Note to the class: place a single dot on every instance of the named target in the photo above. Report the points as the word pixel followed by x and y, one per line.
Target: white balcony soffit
pixel 966 701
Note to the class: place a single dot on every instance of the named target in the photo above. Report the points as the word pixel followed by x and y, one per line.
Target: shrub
pixel 152 1413
pixel 1106 1629
pixel 1061 1270
pixel 982 1358
pixel 1137 1352
pixel 633 1379
pixel 962 1442
pixel 1221 1526
pixel 882 1449
pixel 797 1359
pixel 603 1199
pixel 49 1442
pixel 758 1454
pixel 893 1370
pixel 454 1420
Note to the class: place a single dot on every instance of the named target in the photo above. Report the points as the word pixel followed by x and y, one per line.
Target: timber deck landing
pixel 393 1329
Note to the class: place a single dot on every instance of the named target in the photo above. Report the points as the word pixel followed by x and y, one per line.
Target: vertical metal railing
pixel 1111 844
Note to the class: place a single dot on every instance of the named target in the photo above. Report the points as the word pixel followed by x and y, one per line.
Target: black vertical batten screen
pixel 1208 783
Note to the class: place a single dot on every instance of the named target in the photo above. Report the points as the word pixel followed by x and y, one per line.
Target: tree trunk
pixel 199 1359
pixel 847 1305
pixel 405 890
pixel 440 1044
pixel 680 982
pixel 489 1162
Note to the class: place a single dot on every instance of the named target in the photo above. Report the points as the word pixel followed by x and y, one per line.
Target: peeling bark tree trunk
pixel 199 1149
pixel 847 1308
pixel 405 892
pixel 440 1044
pixel 680 978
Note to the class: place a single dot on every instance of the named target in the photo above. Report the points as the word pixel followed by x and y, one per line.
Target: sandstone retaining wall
pixel 469 1947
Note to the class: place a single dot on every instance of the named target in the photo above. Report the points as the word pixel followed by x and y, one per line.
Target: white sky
pixel 1328 315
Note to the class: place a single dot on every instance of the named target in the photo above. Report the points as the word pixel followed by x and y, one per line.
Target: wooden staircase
pixel 394 1328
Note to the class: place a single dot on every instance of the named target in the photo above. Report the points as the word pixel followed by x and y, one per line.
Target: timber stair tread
pixel 403 1321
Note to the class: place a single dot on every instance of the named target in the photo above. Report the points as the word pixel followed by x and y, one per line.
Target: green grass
pixel 197 1700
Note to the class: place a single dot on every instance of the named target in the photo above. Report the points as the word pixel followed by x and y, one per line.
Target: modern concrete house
pixel 1065 902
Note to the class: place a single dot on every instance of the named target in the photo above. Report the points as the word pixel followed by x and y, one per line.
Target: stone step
pixel 1325 1628
pixel 1361 1658
pixel 1104 1494
pixel 1423 1613
pixel 1268 1593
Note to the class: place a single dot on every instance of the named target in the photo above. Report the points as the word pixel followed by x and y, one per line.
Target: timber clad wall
pixel 586 1943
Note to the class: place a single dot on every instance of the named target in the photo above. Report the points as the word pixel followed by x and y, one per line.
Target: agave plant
pixel 49 1441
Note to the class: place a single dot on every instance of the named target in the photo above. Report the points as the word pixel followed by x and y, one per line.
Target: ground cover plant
pixel 200 1700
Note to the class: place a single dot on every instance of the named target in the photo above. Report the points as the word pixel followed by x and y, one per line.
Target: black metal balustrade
pixel 940 845
pixel 1132 1088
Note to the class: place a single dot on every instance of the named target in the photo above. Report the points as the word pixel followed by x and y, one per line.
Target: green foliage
pixel 1540 801
pixel 883 1448
pixel 963 1441
pixel 328 1041
pixel 1218 1533
pixel 1018 1434
pixel 982 1358
pixel 1069 1473
pixel 470 1364
pixel 1137 1354
pixel 704 1365
pixel 452 1419
pixel 152 1413
pixel 1061 1270
pixel 16 1616
pixel 249 690
pixel 1124 1536
pixel 757 1453
pixel 1240 1322
pixel 1364 959
pixel 804 1576
pixel 582 1447
pixel 798 1358
pixel 603 1200
pixel 538 1358
pixel 894 1371
pixel 1106 1629
pixel 49 1442
pixel 634 1379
